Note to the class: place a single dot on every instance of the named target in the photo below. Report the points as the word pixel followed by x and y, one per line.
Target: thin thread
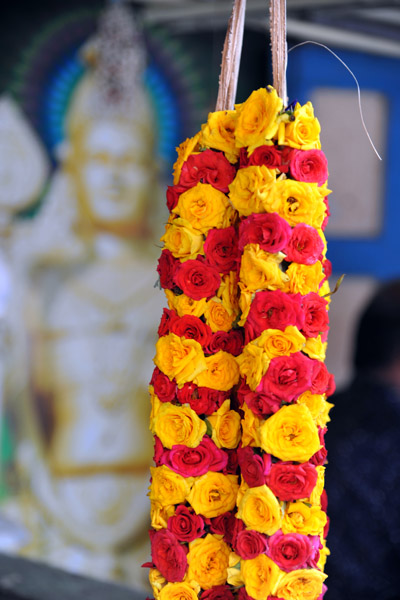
pixel 355 79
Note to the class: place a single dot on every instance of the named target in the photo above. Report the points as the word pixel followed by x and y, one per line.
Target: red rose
pixel 309 165
pixel 193 462
pixel 305 245
pixel 273 310
pixel 251 466
pixel 243 158
pixel 268 230
pixel 167 317
pixel 201 399
pixel 173 193
pixel 229 341
pixel 158 451
pixel 207 167
pixel 168 555
pixel 243 595
pixel 221 249
pixel 319 458
pixel 232 464
pixel 327 268
pixel 261 405
pixel 167 267
pixel 223 525
pixel 238 526
pixel 269 156
pixel 164 388
pixel 250 544
pixel 320 377
pixel 218 592
pixel 288 376
pixel 192 327
pixel 292 482
pixel 290 551
pixel 316 318
pixel 315 551
pixel 197 279
pixel 185 525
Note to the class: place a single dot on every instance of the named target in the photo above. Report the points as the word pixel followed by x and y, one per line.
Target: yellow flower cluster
pixel 239 391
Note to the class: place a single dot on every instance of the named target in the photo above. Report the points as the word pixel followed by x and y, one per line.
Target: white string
pixel 355 79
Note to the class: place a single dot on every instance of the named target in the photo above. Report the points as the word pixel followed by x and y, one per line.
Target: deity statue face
pixel 114 169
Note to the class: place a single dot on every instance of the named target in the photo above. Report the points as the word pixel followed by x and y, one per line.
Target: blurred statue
pixel 92 323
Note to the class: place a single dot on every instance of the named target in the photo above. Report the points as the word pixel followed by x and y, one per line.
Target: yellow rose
pixel 208 560
pixel 250 186
pixel 217 316
pixel 318 407
pixel 302 584
pixel 222 372
pixel 304 131
pixel 315 348
pixel 178 591
pixel 219 133
pixel 259 270
pixel 157 582
pixel 160 514
pixel 204 207
pixel 304 278
pixel 315 497
pixel 260 510
pixel 183 305
pixel 184 150
pixel 155 406
pixel 280 343
pixel 178 425
pixel 323 554
pixel 253 364
pixel 167 487
pixel 251 426
pixel 179 358
pixel 228 293
pixel 303 518
pixel 182 240
pixel 213 494
pixel 225 425
pixel 245 300
pixel 297 202
pixel 260 575
pixel 325 292
pixel 257 118
pixel 290 434
pixel 243 487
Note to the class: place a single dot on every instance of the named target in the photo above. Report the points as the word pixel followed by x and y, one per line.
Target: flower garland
pixel 239 391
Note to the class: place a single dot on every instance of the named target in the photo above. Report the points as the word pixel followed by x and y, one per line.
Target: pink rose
pixel 250 544
pixel 193 462
pixel 185 524
pixel 319 458
pixel 320 377
pixel 290 551
pixel 310 166
pixel 305 245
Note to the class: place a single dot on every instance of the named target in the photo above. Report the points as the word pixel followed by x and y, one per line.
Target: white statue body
pixel 93 331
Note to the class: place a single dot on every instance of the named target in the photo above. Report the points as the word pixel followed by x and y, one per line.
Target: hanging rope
pixel 231 58
pixel 277 18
